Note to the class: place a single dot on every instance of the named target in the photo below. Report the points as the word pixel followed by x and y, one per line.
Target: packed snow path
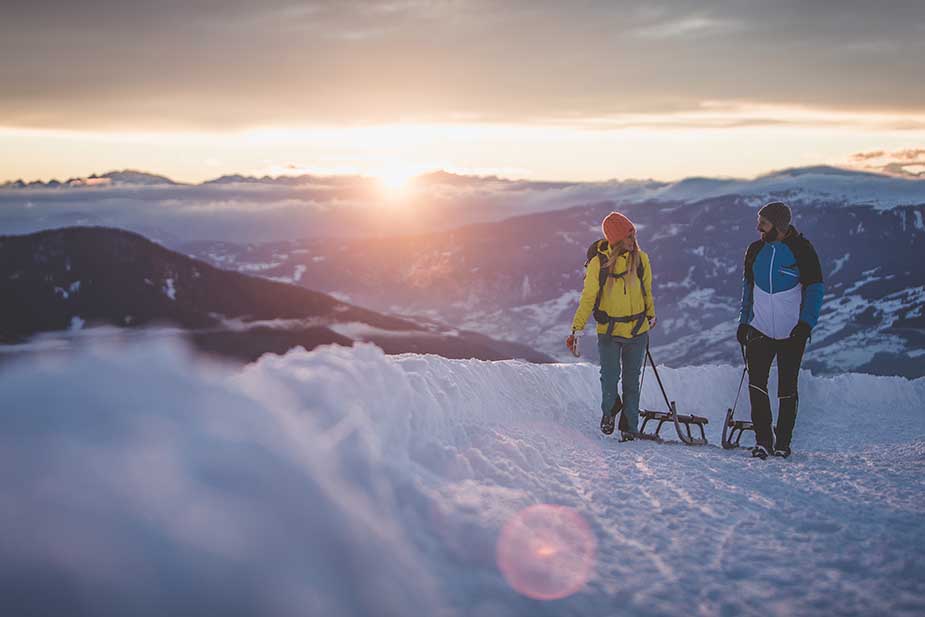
pixel 344 481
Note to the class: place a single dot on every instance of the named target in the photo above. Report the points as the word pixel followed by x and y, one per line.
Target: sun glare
pixel 395 182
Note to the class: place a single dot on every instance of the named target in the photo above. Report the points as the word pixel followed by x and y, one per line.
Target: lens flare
pixel 546 552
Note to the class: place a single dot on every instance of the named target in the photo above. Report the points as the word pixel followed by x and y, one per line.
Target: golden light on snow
pixel 546 552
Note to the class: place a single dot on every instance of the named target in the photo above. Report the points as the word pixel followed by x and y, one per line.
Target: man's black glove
pixel 742 333
pixel 800 331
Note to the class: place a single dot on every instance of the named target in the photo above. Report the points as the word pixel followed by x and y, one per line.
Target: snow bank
pixel 342 481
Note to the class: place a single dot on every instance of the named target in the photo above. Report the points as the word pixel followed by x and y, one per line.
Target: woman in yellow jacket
pixel 618 293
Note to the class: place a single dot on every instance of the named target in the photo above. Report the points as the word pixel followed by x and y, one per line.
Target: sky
pixel 532 89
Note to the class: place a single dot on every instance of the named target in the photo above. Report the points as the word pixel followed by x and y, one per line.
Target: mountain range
pixel 800 185
pixel 247 209
pixel 504 258
pixel 520 279
pixel 126 177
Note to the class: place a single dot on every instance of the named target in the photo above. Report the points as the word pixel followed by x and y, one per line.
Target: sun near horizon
pixel 604 90
pixel 526 151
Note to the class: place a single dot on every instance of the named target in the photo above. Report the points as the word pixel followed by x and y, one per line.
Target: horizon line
pixel 4 183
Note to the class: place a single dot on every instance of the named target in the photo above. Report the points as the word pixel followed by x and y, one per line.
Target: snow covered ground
pixel 139 481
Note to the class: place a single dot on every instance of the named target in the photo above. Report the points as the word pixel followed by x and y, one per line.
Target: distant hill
pixel 75 278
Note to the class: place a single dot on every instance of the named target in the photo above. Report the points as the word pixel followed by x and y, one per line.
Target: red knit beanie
pixel 617 227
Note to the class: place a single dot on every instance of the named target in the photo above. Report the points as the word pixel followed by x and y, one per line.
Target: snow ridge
pixel 302 471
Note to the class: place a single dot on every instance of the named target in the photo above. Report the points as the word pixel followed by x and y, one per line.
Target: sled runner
pixel 732 428
pixel 672 415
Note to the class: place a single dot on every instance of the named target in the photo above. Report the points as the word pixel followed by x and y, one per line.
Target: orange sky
pixel 532 89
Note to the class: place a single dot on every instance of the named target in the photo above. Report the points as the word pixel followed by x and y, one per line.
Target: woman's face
pixel 628 243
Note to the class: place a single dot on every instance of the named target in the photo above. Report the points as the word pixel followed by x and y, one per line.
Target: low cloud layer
pixel 287 208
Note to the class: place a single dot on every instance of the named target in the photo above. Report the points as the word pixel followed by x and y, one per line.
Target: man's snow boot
pixel 760 452
pixel 627 436
pixel 782 452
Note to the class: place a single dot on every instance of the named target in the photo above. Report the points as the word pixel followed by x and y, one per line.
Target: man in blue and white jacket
pixel 781 298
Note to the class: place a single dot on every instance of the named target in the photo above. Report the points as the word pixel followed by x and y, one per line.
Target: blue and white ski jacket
pixel 782 285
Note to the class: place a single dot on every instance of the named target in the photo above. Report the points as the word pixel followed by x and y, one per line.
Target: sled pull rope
pixel 659 379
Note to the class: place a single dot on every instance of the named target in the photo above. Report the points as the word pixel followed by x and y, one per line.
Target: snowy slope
pixel 346 482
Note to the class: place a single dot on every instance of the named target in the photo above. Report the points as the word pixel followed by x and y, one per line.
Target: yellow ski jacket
pixel 620 298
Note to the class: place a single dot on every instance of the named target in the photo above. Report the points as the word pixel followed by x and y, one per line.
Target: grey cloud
pixel 216 65
pixel 910 155
pixel 904 169
pixel 909 162
pixel 689 27
pixel 865 156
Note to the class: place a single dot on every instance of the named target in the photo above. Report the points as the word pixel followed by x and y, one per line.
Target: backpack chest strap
pixel 603 318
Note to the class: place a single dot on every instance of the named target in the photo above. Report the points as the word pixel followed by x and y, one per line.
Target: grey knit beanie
pixel 777 213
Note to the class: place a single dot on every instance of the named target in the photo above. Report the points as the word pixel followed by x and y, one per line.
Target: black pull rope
pixel 659 379
pixel 741 381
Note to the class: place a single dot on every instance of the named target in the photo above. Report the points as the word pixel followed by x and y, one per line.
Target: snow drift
pixel 342 481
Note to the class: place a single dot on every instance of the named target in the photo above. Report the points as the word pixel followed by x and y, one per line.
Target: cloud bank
pixel 109 64
pixel 909 162
pixel 242 209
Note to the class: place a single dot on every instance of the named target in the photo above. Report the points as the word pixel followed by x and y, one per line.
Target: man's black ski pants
pixel 759 353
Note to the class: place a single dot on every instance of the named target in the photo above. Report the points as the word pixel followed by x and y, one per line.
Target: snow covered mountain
pixel 520 279
pixel 504 257
pixel 126 177
pixel 346 482
pixel 241 208
pixel 803 186
pixel 69 278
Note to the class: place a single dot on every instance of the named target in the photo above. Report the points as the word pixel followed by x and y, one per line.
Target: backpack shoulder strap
pixel 596 249
pixel 750 255
pixel 640 273
pixel 807 260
